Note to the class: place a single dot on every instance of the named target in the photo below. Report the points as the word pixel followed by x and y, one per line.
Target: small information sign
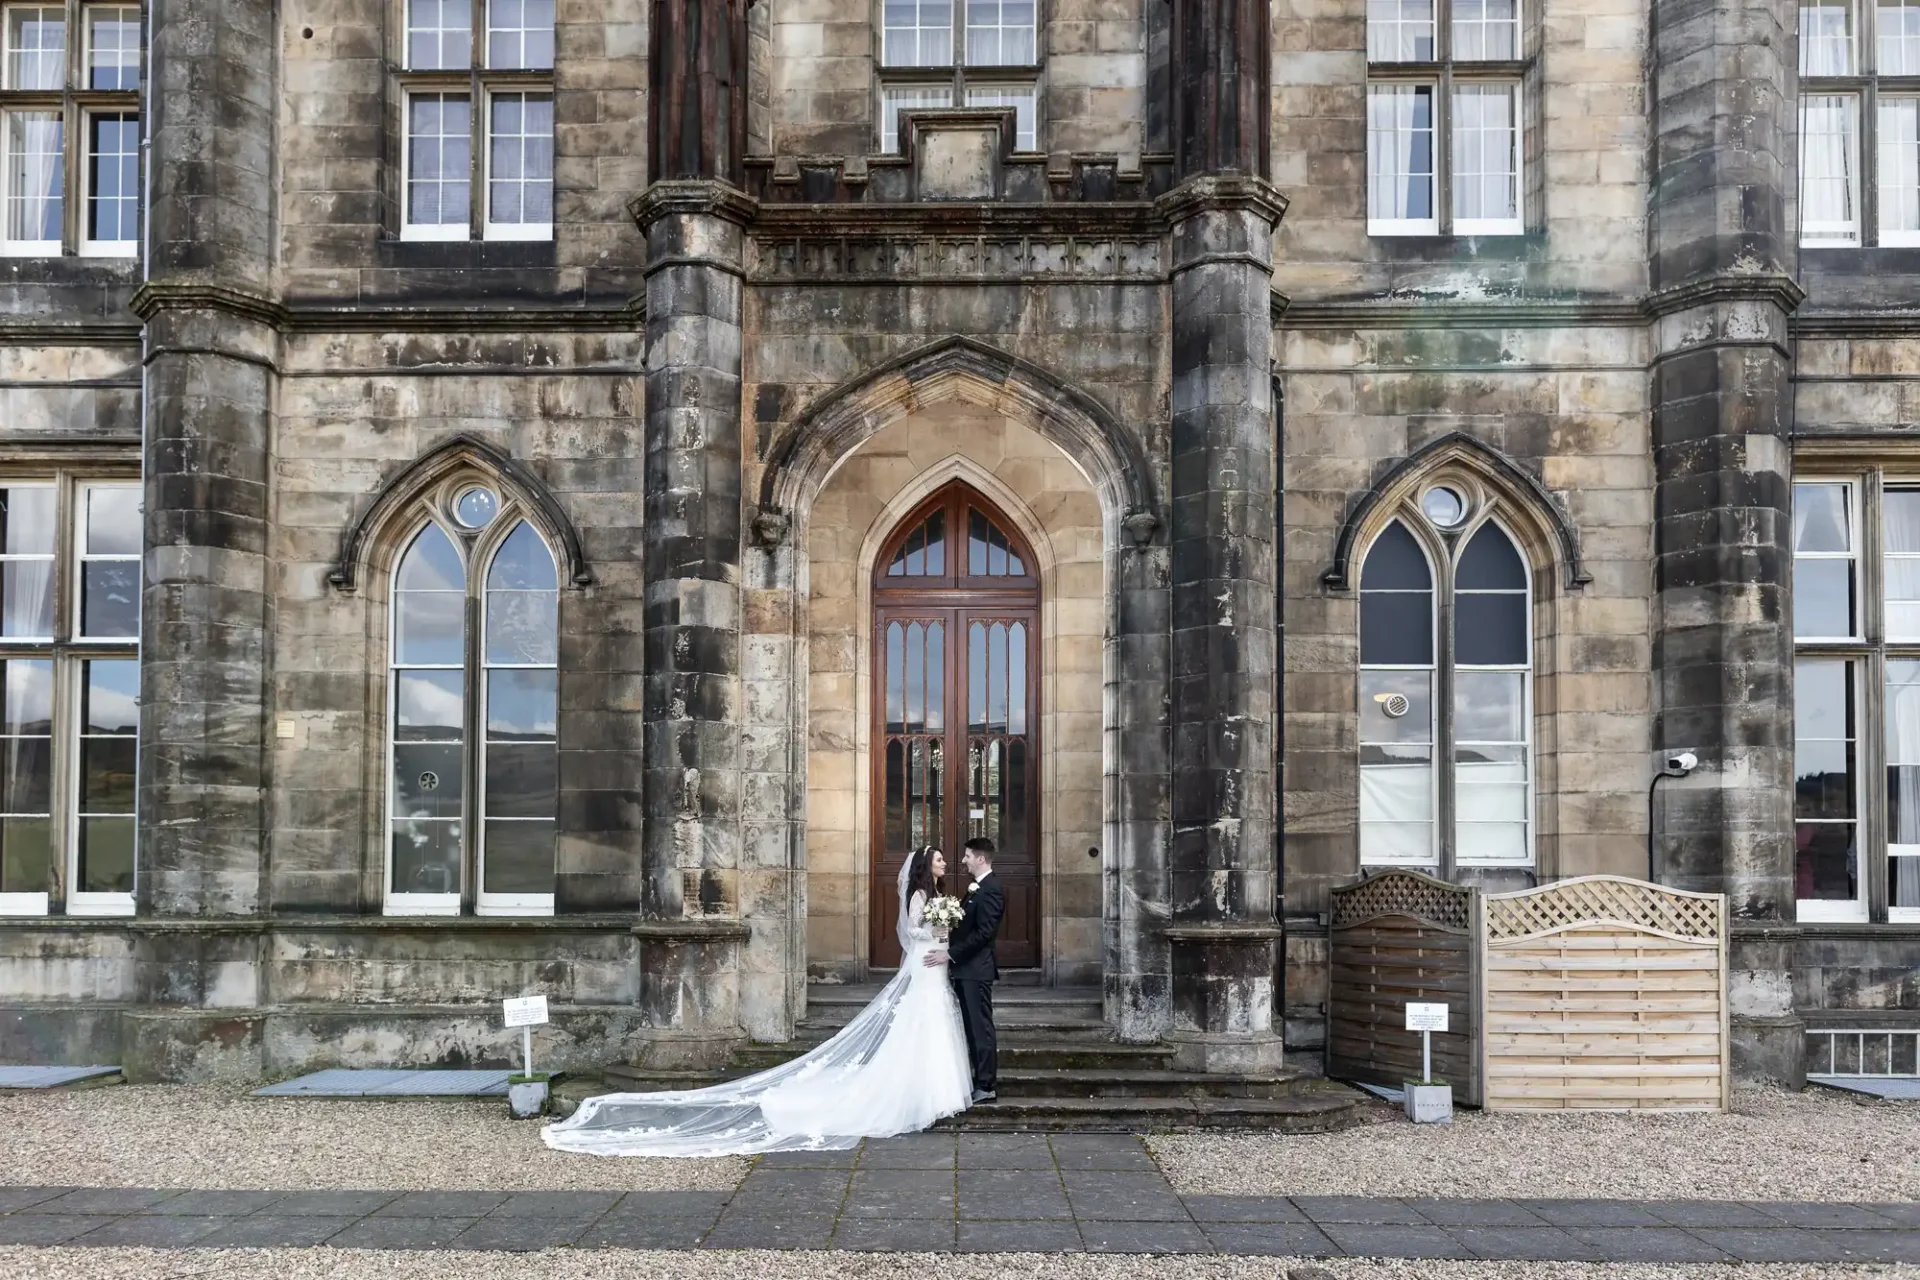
pixel 531 1011
pixel 1420 1017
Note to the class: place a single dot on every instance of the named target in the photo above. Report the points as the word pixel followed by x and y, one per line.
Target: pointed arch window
pixel 1446 690
pixel 473 749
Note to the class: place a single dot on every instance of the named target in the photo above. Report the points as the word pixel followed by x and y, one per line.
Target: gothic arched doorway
pixel 956 716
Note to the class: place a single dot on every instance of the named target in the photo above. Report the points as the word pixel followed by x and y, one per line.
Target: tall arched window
pixel 1446 690
pixel 473 753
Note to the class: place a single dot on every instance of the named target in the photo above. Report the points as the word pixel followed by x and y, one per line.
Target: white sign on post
pixel 526 1013
pixel 1426 1019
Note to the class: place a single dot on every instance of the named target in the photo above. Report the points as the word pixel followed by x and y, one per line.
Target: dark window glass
pixel 1396 602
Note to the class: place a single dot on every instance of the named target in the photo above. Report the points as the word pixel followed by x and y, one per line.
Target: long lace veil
pixel 796 1106
pixel 904 926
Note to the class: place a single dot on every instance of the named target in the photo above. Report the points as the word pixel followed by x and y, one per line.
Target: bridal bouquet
pixel 942 914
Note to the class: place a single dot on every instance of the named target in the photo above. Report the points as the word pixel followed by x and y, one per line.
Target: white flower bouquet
pixel 942 913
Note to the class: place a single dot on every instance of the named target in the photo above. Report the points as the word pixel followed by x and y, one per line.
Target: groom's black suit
pixel 971 969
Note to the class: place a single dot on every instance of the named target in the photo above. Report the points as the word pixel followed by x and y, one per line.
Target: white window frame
pixel 50 559
pixel 947 77
pixel 87 12
pixel 1894 237
pixel 1833 234
pixel 1851 555
pixel 89 247
pixel 1895 915
pixel 1516 225
pixel 478 552
pixel 83 555
pixel 40 903
pixel 83 902
pixel 406 39
pixel 1025 101
pixel 484 902
pixel 397 903
pixel 66 655
pixel 432 231
pixel 1437 138
pixel 1837 910
pixel 934 97
pixel 486 56
pixel 28 248
pixel 1445 75
pixel 954 15
pixel 7 49
pixel 520 231
pixel 1432 672
pixel 999 29
pixel 1526 673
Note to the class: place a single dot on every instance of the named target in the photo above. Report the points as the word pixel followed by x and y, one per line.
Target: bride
pixel 900 1065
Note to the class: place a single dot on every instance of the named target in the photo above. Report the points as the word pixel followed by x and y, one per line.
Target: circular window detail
pixel 1445 507
pixel 475 508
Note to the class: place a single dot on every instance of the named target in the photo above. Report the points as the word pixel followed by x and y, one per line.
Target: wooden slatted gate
pixel 1400 936
pixel 1605 992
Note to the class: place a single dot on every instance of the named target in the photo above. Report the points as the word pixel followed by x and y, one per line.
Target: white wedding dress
pixel 900 1065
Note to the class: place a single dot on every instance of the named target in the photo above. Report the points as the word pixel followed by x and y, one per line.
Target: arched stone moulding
pixel 958 368
pixel 390 508
pixel 1532 511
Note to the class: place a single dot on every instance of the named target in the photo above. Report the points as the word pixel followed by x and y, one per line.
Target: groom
pixel 969 954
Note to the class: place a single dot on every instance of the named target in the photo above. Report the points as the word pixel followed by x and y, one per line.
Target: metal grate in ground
pixel 341 1082
pixel 51 1077
pixel 1900 1088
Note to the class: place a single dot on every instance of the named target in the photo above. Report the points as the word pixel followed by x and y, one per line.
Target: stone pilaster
pixel 691 927
pixel 1722 269
pixel 206 608
pixel 1222 878
pixel 1221 59
pixel 698 85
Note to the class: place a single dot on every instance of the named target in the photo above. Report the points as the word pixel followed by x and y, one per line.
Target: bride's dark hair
pixel 921 877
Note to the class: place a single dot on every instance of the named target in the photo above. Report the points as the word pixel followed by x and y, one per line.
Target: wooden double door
pixel 956 711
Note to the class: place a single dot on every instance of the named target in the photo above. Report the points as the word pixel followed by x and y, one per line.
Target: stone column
pixel 1222 878
pixel 1722 263
pixel 206 607
pixel 692 934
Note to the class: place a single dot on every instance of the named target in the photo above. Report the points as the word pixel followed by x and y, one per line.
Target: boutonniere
pixel 974 887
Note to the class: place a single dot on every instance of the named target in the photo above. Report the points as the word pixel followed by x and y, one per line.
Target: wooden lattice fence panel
pixel 1604 992
pixel 1399 936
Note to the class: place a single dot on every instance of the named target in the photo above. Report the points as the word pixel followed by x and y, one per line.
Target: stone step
pixel 1040 1008
pixel 1028 1083
pixel 1017 1049
pixel 1129 1098
pixel 1309 1113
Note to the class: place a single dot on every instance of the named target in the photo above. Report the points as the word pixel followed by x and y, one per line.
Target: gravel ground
pixel 565 1264
pixel 1773 1145
pixel 218 1138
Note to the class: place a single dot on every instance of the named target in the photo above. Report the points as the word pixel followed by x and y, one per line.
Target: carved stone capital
pixel 1232 192
pixel 693 196
pixel 1140 526
pixel 771 526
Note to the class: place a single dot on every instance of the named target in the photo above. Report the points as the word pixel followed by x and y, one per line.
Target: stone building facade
pixel 1376 430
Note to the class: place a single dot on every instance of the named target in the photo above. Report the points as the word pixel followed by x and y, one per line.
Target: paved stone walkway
pixel 978 1193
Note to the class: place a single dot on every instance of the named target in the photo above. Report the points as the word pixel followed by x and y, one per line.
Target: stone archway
pixel 1064 443
pixel 1055 512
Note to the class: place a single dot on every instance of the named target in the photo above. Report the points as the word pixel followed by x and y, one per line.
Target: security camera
pixel 1684 763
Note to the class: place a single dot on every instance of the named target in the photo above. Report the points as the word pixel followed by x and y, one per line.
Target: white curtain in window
pixel 1399 152
pixel 1829 198
pixel 1826 39
pixel 1899 175
pixel 33 176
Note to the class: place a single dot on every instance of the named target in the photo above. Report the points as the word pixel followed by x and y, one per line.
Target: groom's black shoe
pixel 984 1095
